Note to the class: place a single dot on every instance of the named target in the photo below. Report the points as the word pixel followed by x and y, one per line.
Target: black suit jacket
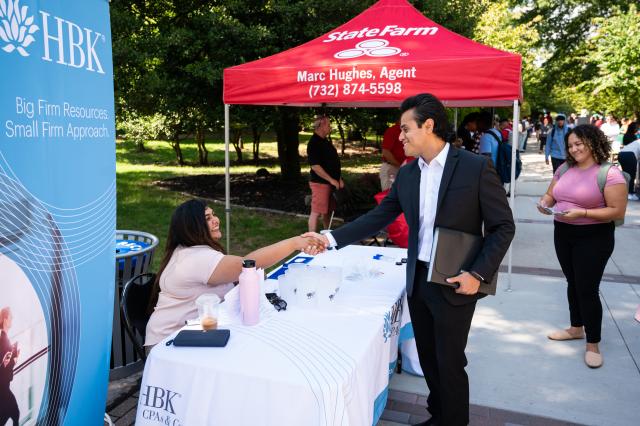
pixel 470 196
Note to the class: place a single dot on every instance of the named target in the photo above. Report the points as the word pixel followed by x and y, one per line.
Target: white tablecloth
pixel 297 367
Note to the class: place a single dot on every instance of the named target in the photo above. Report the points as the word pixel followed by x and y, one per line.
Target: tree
pixel 501 28
pixel 564 28
pixel 616 58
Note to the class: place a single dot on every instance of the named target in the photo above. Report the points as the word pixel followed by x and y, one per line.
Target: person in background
pixel 632 133
pixel 611 128
pixel 584 230
pixel 467 132
pixel 543 133
pixel 556 143
pixel 628 159
pixel 599 121
pixel 624 125
pixel 506 129
pixel 325 174
pixel 393 156
pixel 8 356
pixel 195 263
pixel 490 138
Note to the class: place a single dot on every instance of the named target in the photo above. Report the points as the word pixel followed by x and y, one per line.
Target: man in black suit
pixel 448 188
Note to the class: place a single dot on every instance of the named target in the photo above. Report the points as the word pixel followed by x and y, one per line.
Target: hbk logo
pixel 16 28
pixel 156 397
pixel 68 43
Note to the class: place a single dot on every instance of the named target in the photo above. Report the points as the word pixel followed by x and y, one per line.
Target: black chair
pixel 134 305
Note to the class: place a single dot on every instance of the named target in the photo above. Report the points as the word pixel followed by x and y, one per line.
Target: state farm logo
pixel 375 48
pixel 15 27
pixel 64 42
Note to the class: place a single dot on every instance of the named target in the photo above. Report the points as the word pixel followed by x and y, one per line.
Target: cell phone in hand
pixel 551 210
pixel 548 210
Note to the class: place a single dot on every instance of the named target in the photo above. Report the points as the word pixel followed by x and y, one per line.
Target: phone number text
pixel 347 89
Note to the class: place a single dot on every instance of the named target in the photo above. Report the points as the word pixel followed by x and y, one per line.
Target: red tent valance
pixel 387 53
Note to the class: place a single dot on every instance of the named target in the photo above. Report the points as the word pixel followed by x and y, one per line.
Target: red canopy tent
pixel 382 56
pixel 387 53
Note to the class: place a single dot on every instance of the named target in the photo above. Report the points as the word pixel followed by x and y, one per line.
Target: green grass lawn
pixel 143 205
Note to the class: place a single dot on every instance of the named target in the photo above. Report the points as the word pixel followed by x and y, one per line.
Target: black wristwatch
pixel 477 276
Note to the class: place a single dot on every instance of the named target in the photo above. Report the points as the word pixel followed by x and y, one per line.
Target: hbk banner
pixel 57 210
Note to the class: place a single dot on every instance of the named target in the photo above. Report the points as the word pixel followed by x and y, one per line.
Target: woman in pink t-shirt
pixel 584 230
pixel 195 263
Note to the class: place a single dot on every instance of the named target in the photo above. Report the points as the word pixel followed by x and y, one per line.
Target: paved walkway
pixel 518 376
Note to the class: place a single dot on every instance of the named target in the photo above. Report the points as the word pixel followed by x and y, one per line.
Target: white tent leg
pixel 512 185
pixel 227 186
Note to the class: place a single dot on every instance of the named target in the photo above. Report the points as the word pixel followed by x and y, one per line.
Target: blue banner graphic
pixel 57 210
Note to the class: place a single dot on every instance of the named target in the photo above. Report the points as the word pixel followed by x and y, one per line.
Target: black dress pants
pixel 583 252
pixel 441 332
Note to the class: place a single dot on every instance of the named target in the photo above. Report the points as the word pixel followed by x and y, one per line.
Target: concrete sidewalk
pixel 514 366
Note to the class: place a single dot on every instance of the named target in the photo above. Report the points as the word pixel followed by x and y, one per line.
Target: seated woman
pixel 195 263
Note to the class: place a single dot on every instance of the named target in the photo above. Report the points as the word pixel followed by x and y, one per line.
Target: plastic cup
pixel 334 279
pixel 287 289
pixel 208 306
pixel 325 289
pixel 306 294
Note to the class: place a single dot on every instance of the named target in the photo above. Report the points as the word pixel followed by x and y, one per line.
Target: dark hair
pixel 485 121
pixel 594 138
pixel 630 134
pixel 188 228
pixel 426 106
pixel 469 118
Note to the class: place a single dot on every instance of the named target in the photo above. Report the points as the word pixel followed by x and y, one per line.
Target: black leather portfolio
pixel 453 252
pixel 210 338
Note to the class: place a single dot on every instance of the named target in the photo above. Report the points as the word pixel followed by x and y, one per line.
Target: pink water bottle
pixel 249 293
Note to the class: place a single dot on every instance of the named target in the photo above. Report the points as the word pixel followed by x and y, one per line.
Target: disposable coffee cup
pixel 208 306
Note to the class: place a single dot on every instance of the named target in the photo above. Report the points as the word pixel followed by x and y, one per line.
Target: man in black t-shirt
pixel 325 173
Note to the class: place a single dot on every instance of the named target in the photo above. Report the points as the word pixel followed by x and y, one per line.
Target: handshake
pixel 311 243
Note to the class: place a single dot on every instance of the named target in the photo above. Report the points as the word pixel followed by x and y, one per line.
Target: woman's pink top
pixel 578 188
pixel 183 280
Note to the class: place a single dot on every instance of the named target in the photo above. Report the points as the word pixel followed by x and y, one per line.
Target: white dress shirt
pixel 430 177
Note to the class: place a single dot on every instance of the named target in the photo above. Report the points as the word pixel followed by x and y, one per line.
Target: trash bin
pixel 134 254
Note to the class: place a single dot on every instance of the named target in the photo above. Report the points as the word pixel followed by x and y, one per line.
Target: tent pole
pixel 512 185
pixel 227 187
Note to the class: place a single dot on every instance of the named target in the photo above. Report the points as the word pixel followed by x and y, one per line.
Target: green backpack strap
pixel 602 175
pixel 602 181
pixel 563 169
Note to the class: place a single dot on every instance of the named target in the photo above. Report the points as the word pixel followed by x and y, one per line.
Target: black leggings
pixel 583 252
pixel 543 142
pixel 629 164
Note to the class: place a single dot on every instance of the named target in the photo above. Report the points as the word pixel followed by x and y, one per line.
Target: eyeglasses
pixel 277 302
